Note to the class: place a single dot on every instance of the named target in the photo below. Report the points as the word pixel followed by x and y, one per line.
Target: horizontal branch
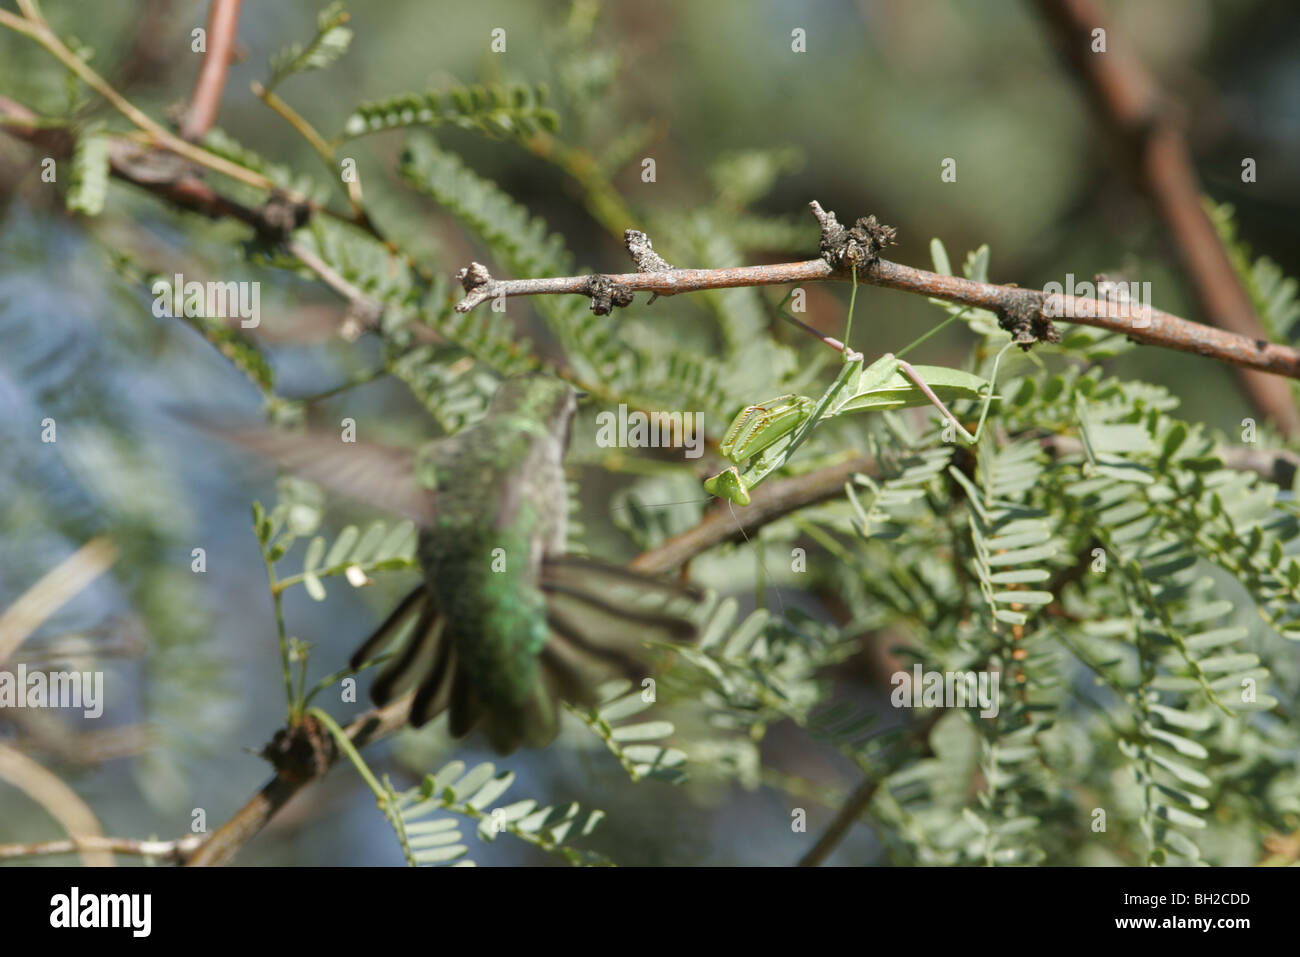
pixel 169 851
pixel 1028 314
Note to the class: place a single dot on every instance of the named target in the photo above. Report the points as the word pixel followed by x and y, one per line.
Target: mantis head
pixel 729 485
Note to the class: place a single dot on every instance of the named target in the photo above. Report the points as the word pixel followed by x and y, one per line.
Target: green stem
pixel 329 679
pixel 293 706
pixel 348 748
pixel 937 329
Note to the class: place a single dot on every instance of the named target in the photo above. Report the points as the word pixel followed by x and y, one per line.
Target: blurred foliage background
pixel 739 128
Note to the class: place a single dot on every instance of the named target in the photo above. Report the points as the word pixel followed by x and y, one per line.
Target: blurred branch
pixel 39 31
pixel 859 800
pixel 770 502
pixel 52 591
pixel 168 851
pixel 129 164
pixel 1021 311
pixel 39 731
pixel 1149 135
pixel 57 798
pixel 205 102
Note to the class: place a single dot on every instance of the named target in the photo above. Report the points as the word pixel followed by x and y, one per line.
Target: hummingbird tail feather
pixel 389 629
pixel 434 694
pixel 608 612
pixel 465 706
pixel 420 656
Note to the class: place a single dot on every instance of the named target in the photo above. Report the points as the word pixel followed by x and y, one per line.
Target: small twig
pixel 52 591
pixel 362 309
pixel 857 802
pixel 483 287
pixel 160 135
pixel 167 851
pixel 205 102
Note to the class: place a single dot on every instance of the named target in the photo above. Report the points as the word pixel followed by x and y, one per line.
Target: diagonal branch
pixel 292 777
pixel 1127 100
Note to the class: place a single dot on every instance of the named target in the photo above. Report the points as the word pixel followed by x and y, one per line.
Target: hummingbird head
pixel 539 397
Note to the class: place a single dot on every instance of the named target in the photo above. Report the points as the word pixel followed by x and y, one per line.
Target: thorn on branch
pixel 477 283
pixel 643 254
pixel 857 248
pixel 1022 316
pixel 606 294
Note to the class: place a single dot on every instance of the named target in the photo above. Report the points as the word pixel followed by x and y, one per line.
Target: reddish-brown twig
pixel 223 22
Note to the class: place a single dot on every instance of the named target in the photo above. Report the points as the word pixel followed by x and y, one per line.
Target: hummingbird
pixel 506 624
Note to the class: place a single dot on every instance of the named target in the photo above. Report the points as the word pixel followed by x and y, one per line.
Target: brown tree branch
pixel 770 501
pixel 1148 133
pixel 221 847
pixel 223 23
pixel 1025 312
pixel 146 169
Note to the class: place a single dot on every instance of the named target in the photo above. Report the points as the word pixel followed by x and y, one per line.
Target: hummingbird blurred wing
pixel 601 618
pixel 368 472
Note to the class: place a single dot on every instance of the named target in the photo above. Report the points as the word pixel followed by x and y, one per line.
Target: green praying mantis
pixel 767 434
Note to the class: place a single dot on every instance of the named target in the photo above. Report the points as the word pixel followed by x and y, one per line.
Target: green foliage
pixel 1271 291
pixel 89 184
pixel 475 794
pixel 330 42
pixel 627 741
pixel 524 246
pixel 1132 585
pixel 517 110
pixel 355 554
